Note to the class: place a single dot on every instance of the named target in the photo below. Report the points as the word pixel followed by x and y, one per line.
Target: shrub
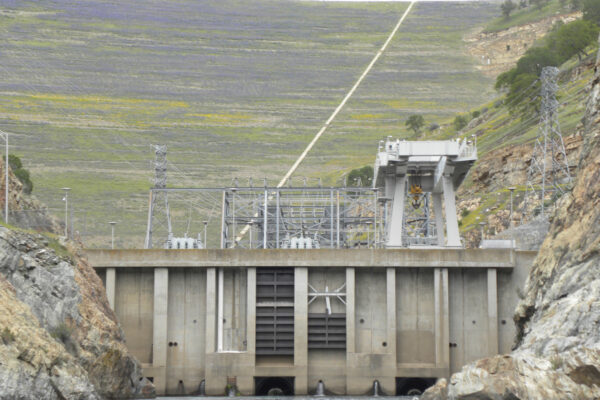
pixel 415 123
pixel 464 212
pixel 591 11
pixel 21 173
pixel 475 114
pixel 507 7
pixel 460 122
pixel 361 176
pixel 64 333
pixel 433 126
pixel 556 361
pixel 7 336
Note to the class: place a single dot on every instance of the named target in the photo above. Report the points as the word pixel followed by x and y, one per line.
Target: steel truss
pixel 259 217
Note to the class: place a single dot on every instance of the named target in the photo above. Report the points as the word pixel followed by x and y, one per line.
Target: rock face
pixel 59 339
pixel 25 211
pixel 498 52
pixel 557 353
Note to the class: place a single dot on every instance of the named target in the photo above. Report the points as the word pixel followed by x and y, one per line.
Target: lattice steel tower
pixel 159 217
pixel 549 166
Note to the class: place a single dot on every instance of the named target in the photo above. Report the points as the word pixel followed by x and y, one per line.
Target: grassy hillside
pixel 235 88
pixel 522 16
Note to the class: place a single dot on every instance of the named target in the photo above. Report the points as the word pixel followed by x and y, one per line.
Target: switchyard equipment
pixel 426 173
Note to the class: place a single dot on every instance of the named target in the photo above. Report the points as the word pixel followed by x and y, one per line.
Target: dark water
pixel 295 398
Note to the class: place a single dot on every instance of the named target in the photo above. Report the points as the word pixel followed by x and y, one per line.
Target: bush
pixel 475 114
pixel 21 173
pixel 460 122
pixel 415 123
pixel 507 7
pixel 591 11
pixel 433 127
pixel 64 333
pixel 361 176
pixel 7 336
pixel 464 212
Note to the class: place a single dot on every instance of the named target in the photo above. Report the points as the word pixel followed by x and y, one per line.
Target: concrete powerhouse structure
pixel 282 320
pixel 408 313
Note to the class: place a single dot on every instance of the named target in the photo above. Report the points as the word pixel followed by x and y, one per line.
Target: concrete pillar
pixel 395 227
pixel 111 282
pixel 159 342
pixel 492 301
pixel 391 313
pixel 301 330
pixel 350 311
pixel 442 318
pixel 211 309
pixel 251 313
pixel 439 218
pixel 451 219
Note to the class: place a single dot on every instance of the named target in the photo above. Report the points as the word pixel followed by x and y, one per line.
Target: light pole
pixel 205 225
pixel 510 218
pixel 482 224
pixel 4 135
pixel 112 234
pixel 66 200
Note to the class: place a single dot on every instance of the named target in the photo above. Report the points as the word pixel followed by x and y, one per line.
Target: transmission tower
pixel 159 217
pixel 549 168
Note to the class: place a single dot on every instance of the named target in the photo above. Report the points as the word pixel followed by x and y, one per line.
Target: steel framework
pixel 549 168
pixel 159 215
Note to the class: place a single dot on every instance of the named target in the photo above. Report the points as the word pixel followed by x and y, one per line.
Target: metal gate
pixel 275 311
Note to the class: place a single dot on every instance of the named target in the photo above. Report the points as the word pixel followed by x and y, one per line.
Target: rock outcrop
pixel 25 210
pixel 59 339
pixel 557 353
pixel 498 52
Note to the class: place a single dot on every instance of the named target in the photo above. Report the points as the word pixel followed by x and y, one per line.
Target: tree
pixel 576 5
pixel 415 123
pixel 507 7
pixel 591 11
pixel 460 122
pixel 573 38
pixel 361 176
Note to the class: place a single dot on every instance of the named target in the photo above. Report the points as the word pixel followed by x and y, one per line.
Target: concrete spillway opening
pixel 413 386
pixel 274 386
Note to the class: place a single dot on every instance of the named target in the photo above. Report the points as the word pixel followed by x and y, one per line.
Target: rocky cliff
pixel 59 339
pixel 557 354
pixel 497 52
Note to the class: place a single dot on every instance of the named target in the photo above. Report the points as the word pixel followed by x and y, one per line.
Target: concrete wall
pixel 134 305
pixel 406 320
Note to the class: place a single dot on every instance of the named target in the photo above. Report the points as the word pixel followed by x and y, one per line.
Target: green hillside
pixel 235 88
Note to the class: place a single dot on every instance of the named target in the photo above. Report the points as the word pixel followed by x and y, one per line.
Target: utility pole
pixel 112 234
pixel 549 158
pixel 66 200
pixel 205 225
pixel 512 190
pixel 4 135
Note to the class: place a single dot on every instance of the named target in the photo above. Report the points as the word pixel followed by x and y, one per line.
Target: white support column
pixel 301 330
pixel 111 281
pixel 442 320
pixel 251 313
pixel 350 311
pixel 159 342
pixel 395 230
pixel 391 313
pixel 451 219
pixel 220 301
pixel 439 218
pixel 211 308
pixel 492 300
